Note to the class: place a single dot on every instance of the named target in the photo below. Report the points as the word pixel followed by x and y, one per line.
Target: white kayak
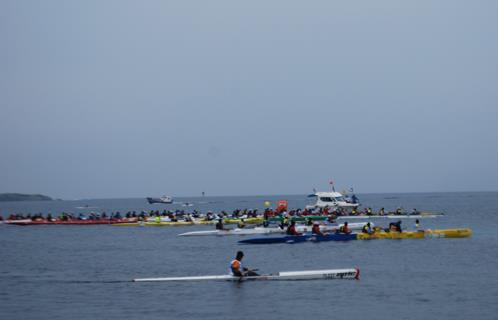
pixel 271 230
pixel 288 275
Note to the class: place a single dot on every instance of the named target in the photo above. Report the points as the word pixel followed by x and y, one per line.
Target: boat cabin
pixel 332 200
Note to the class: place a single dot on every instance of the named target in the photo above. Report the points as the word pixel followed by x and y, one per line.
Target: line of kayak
pixel 151 222
pixel 439 233
pixel 29 222
pixel 288 275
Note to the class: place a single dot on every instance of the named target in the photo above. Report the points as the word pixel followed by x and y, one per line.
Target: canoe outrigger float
pixel 288 275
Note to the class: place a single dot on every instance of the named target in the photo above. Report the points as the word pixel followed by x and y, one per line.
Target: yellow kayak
pixel 246 220
pixel 392 235
pixel 450 233
pixel 168 223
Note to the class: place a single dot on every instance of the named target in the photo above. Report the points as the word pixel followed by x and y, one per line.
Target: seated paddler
pixel 316 229
pixel 291 230
pixel 236 267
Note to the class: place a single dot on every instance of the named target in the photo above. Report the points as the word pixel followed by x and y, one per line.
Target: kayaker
pixel 417 224
pixel 382 212
pixel 219 225
pixel 367 228
pixel 316 229
pixel 237 269
pixel 241 224
pixel 286 221
pixel 291 230
pixel 344 228
pixel 395 226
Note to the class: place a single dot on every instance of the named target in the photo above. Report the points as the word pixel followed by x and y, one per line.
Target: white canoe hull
pixel 391 216
pixel 260 230
pixel 289 275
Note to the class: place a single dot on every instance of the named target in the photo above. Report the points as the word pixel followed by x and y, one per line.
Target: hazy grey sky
pixel 135 98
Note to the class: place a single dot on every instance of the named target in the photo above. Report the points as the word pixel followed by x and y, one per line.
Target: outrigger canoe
pixel 270 230
pixel 301 238
pixel 288 275
pixel 439 233
pixel 299 218
pixel 29 222
pixel 155 224
pixel 422 215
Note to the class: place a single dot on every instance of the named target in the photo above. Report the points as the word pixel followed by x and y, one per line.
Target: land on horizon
pixel 23 197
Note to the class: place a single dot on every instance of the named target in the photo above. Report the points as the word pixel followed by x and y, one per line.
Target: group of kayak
pixel 182 217
pixel 368 231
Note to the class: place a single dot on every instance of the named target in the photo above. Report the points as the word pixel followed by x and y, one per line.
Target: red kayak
pixel 28 222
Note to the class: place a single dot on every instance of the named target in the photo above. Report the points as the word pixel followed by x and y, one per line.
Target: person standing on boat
pixel 237 269
pixel 354 199
pixel 291 230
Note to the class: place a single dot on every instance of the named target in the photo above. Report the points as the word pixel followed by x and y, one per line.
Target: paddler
pixel 395 226
pixel 316 229
pixel 367 228
pixel 237 269
pixel 417 224
pixel 291 230
pixel 219 225
pixel 344 228
pixel 241 224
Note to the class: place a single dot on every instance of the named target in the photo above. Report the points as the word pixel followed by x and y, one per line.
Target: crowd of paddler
pixel 243 215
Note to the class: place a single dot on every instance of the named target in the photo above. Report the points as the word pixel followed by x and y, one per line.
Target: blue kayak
pixel 301 238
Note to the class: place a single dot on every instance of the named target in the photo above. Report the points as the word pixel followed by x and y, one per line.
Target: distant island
pixel 23 197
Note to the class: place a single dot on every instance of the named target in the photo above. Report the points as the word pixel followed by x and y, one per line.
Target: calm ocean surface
pixel 83 272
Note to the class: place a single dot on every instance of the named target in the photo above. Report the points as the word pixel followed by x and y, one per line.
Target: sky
pixel 115 99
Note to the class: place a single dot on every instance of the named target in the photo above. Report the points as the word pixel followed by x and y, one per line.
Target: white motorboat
pixel 332 200
pixel 163 199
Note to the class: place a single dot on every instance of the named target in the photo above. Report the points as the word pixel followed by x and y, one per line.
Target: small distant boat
pixel 163 199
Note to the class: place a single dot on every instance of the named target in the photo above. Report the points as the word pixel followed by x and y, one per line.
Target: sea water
pixel 84 272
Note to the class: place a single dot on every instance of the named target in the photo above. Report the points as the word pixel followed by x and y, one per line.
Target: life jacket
pixel 235 265
pixel 291 230
pixel 344 229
